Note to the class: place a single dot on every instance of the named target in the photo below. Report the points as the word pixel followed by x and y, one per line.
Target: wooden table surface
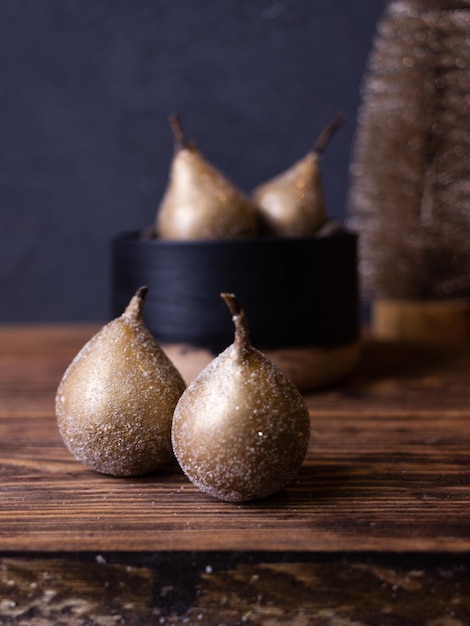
pixel 374 530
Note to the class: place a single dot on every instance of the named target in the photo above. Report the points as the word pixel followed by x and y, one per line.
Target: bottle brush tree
pixel 409 197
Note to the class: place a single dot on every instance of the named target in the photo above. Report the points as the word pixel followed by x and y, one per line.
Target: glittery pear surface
pixel 292 203
pixel 115 402
pixel 201 203
pixel 241 429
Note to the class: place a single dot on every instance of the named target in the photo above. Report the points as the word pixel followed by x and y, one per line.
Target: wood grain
pixel 388 466
pixel 250 589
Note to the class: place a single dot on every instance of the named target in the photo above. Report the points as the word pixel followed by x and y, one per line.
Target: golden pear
pixel 241 429
pixel 115 402
pixel 292 203
pixel 199 201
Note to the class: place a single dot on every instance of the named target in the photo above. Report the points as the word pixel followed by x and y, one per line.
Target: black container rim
pixel 139 237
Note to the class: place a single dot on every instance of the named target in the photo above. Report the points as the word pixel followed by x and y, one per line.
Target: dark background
pixel 86 87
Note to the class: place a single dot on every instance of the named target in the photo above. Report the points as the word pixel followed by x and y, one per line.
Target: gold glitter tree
pixel 409 196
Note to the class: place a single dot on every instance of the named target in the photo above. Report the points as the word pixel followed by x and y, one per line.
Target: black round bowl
pixel 296 293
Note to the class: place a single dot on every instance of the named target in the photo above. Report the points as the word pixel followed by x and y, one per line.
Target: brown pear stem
pixel 136 304
pixel 179 136
pixel 242 335
pixel 328 132
pixel 232 303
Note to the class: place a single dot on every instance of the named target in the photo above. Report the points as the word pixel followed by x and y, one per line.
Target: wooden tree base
pixel 421 320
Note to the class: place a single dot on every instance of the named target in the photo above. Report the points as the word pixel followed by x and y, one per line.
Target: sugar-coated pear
pixel 115 402
pixel 292 203
pixel 199 201
pixel 241 429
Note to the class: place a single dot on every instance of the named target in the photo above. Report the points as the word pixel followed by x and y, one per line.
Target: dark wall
pixel 86 87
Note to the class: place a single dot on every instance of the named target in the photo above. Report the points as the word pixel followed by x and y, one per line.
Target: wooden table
pixel 375 529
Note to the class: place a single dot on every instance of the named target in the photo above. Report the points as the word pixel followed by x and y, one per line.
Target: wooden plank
pixel 387 469
pixel 207 588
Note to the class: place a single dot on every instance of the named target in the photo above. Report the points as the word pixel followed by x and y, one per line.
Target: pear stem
pixel 136 304
pixel 242 334
pixel 178 133
pixel 328 132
